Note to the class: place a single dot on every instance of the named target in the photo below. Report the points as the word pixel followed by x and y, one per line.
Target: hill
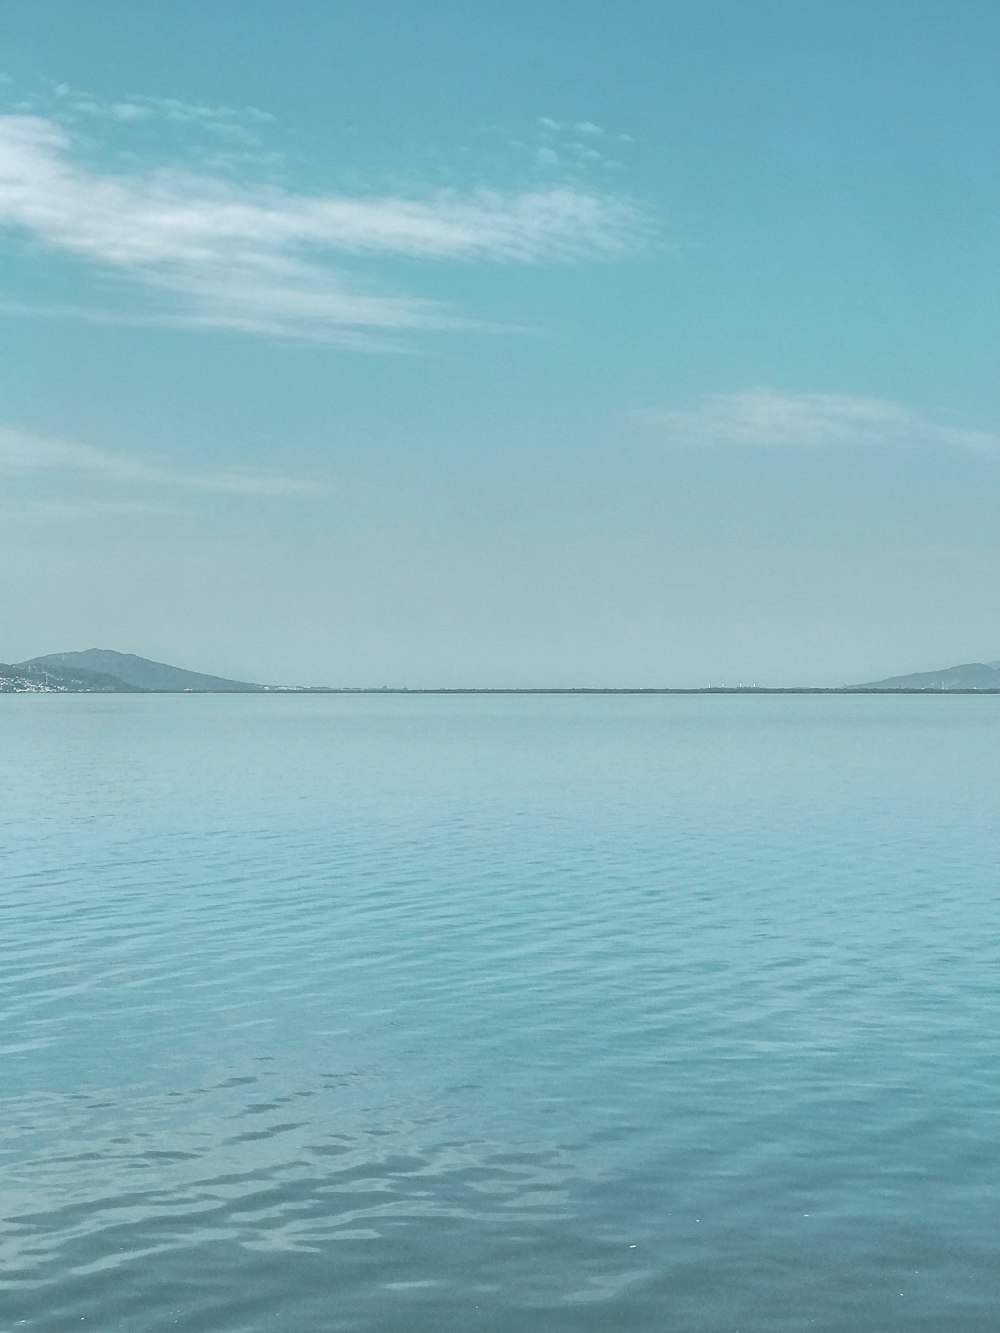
pixel 31 678
pixel 969 676
pixel 136 673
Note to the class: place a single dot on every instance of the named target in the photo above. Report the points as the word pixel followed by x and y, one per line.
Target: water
pixel 584 1014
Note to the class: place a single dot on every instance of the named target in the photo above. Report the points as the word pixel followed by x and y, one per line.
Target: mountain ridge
pixel 966 676
pixel 106 671
pixel 32 678
pixel 135 673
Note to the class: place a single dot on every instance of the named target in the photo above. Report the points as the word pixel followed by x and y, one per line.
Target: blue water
pixel 584 1014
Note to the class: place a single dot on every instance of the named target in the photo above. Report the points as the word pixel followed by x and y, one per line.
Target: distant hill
pixel 135 673
pixel 101 670
pixel 970 676
pixel 32 678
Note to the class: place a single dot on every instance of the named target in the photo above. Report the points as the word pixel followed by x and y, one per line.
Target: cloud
pixel 578 145
pixel 22 452
pixel 763 417
pixel 218 119
pixel 260 258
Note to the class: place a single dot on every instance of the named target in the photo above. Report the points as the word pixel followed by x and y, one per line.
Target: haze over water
pixel 423 1013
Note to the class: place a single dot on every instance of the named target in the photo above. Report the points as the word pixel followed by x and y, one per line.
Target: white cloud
pixel 217 118
pixel 773 417
pixel 22 452
pixel 578 146
pixel 260 258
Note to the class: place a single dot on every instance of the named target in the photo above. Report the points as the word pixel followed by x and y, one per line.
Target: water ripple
pixel 568 1014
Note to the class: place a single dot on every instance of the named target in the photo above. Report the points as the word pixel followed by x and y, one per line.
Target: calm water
pixel 412 1014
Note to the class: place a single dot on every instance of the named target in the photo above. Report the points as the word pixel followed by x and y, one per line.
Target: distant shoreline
pixel 107 671
pixel 300 690
pixel 702 689
pixel 620 689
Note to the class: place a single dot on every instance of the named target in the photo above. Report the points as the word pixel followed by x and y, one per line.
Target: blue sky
pixel 458 343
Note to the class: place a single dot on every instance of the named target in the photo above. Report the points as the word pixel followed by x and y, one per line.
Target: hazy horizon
pixel 395 685
pixel 352 345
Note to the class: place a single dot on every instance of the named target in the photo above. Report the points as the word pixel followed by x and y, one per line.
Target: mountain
pixel 135 673
pixel 970 676
pixel 101 670
pixel 31 678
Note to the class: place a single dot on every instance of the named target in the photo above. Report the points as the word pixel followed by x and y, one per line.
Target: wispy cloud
pixel 25 453
pixel 579 145
pixel 138 107
pixel 763 417
pixel 257 257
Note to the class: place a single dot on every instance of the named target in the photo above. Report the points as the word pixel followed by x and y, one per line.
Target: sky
pixel 603 344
